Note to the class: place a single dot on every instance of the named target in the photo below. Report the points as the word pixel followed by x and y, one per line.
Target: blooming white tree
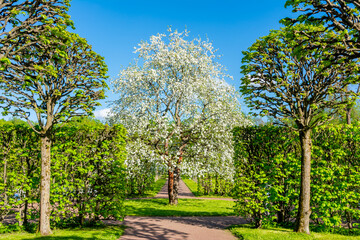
pixel 169 95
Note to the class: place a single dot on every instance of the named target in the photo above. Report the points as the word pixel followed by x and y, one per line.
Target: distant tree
pixel 168 100
pixel 294 84
pixel 62 80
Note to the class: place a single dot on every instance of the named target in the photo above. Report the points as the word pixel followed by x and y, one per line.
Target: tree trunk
pixel 216 191
pixel 26 208
pixel 348 116
pixel 172 199
pixel 45 207
pixel 281 214
pixel 5 183
pixel 304 211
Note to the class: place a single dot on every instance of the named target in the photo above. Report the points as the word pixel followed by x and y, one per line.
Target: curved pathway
pixel 180 228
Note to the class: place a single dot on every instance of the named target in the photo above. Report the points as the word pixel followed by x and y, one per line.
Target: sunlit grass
pixel 185 207
pixel 192 185
pixel 103 233
pixel 245 232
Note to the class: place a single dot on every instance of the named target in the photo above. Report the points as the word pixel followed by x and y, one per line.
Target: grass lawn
pixel 186 207
pixel 155 188
pixel 244 232
pixel 105 233
pixel 192 185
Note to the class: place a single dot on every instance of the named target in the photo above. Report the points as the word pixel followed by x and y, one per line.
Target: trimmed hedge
pixel 267 160
pixel 87 178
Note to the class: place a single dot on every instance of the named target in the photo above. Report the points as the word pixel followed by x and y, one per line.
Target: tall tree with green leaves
pixel 286 80
pixel 62 80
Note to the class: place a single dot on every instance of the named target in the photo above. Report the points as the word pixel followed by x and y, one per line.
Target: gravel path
pixel 180 228
pixel 184 192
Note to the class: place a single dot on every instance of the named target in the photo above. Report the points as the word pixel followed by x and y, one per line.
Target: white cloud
pixel 103 113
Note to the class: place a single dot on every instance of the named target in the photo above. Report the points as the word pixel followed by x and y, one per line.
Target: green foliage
pixel 140 178
pixel 210 187
pixel 308 86
pixel 336 169
pixel 267 173
pixel 88 173
pixel 87 165
pixel 19 171
pixel 267 162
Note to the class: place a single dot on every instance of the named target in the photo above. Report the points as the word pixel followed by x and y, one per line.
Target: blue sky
pixel 115 27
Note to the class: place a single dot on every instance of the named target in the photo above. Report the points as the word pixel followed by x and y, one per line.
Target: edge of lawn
pixel 247 232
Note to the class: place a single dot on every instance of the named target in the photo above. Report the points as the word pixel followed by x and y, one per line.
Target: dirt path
pixel 184 192
pixel 179 228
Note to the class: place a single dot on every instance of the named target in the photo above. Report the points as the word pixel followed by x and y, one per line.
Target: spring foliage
pixel 267 162
pixel 87 166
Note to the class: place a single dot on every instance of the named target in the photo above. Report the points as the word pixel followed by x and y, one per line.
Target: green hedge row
pixel 87 174
pixel 267 160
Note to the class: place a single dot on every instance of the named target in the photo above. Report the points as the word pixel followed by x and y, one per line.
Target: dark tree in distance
pixel 292 83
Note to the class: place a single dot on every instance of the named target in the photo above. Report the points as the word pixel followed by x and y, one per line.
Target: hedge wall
pixel 267 160
pixel 87 181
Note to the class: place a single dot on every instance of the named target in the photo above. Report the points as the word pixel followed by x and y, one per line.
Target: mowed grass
pixel 245 232
pixel 151 192
pixel 156 187
pixel 103 233
pixel 192 185
pixel 185 207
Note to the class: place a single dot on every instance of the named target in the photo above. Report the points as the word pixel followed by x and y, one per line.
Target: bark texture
pixel 304 211
pixel 45 207
pixel 171 179
pixel 348 116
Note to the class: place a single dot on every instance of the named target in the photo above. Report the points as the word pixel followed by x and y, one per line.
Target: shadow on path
pixel 174 228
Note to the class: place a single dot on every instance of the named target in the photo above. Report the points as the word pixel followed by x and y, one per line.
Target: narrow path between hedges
pixel 184 192
pixel 180 228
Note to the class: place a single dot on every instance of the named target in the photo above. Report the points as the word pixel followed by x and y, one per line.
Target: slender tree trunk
pixel 45 207
pixel 26 208
pixel 5 204
pixel 281 213
pixel 348 116
pixel 172 200
pixel 347 213
pixel 304 211
pixel 5 183
pixel 216 184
